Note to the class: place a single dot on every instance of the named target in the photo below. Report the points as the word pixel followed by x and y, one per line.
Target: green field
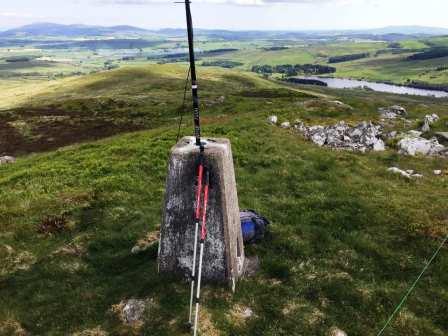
pixel 347 238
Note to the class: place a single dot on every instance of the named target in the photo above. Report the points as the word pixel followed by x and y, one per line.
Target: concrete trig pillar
pixel 224 249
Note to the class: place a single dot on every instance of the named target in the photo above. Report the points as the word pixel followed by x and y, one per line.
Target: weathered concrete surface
pixel 224 250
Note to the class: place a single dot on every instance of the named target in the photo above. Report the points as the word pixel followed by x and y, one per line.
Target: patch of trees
pixel 275 48
pixel 102 44
pixel 442 68
pixel 427 86
pixel 15 59
pixel 394 45
pixel 306 81
pixel 294 70
pixel 215 52
pixel 347 58
pixel 222 64
pixel 430 54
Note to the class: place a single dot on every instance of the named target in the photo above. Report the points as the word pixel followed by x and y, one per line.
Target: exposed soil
pixel 52 128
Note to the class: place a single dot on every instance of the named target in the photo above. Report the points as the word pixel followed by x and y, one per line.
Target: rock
pixel 334 331
pixel 428 121
pixel 414 134
pixel 98 331
pixel 273 120
pixel 437 172
pixel 426 128
pixel 365 136
pixel 131 312
pixel 443 136
pixel 405 173
pixel 392 134
pixel 251 266
pixel 431 118
pixel 392 112
pixel 241 313
pixel 286 125
pixel 143 244
pixel 7 159
pixel 411 145
pixel 396 170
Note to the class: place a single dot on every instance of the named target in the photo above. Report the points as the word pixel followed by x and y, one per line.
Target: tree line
pixel 290 70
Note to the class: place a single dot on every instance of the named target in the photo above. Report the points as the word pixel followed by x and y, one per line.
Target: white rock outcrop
pixel 428 121
pixel 363 137
pixel 412 144
pixel 393 112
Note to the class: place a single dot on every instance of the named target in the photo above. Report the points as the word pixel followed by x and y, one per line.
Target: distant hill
pixel 409 30
pixel 53 29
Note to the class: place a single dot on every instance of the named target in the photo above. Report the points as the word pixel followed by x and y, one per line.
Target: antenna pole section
pixel 194 84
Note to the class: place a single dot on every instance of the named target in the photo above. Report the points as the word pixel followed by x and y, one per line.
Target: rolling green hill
pixel 346 241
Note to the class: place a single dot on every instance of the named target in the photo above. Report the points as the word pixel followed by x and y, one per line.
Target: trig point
pixel 224 250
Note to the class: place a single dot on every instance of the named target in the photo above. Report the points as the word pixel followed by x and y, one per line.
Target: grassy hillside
pixel 347 238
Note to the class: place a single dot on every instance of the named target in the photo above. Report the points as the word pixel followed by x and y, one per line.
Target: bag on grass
pixel 253 226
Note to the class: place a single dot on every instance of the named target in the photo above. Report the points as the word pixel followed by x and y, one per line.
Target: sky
pixel 229 14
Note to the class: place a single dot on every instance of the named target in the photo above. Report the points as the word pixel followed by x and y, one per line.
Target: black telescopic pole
pixel 194 84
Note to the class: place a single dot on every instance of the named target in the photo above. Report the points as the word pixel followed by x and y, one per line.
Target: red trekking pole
pixel 197 219
pixel 201 253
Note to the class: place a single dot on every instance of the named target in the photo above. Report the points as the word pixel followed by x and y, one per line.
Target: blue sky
pixel 230 14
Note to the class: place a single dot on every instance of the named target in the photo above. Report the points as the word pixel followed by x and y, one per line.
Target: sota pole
pixel 194 83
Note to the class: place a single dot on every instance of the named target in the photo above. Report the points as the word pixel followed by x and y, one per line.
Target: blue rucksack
pixel 253 226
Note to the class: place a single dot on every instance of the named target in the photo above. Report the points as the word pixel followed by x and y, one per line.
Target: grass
pixel 346 240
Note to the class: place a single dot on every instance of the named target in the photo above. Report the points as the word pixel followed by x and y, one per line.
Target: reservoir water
pixel 343 83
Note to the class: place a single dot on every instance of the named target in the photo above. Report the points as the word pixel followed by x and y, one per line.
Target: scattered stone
pixel 131 312
pixel 365 136
pixel 396 170
pixel 392 112
pixel 413 144
pixel 405 173
pixel 251 266
pixel 7 159
pixel 437 172
pixel 273 120
pixel 98 331
pixel 285 125
pixel 146 242
pixel 341 104
pixel 241 313
pixel 334 331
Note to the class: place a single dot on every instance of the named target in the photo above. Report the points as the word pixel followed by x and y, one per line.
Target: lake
pixel 344 83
